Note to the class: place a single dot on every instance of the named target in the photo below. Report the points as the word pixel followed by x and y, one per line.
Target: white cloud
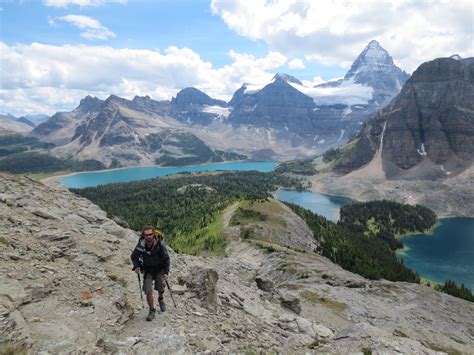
pixel 92 29
pixel 51 21
pixel 81 3
pixel 296 64
pixel 317 80
pixel 39 78
pixel 335 32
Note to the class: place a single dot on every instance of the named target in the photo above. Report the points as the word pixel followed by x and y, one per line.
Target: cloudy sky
pixel 54 52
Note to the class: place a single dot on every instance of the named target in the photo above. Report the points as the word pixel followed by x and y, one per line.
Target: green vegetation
pixel 451 288
pixel 33 162
pixel 190 217
pixel 19 155
pixel 195 151
pixel 301 167
pixel 13 349
pixel 369 257
pixel 11 143
pixel 245 216
pixel 386 219
pixel 332 154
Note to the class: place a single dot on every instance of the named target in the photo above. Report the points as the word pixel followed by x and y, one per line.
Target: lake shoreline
pixel 53 179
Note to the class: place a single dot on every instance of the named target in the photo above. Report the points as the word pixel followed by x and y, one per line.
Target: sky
pixel 55 52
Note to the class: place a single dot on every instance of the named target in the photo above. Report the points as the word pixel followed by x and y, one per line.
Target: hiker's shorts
pixel 148 283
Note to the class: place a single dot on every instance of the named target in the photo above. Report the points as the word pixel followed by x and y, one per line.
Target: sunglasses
pixel 148 234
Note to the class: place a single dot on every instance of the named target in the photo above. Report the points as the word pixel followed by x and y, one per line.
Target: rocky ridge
pixel 67 286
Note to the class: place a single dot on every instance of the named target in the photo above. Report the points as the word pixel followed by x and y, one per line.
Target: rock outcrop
pixel 427 132
pixel 67 286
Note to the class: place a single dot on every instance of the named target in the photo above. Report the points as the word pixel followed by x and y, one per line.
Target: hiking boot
pixel 162 304
pixel 151 315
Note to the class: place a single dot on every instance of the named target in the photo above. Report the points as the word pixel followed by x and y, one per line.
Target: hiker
pixel 151 257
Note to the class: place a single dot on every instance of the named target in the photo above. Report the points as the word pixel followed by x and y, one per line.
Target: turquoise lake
pixel 96 178
pixel 448 253
pixel 325 205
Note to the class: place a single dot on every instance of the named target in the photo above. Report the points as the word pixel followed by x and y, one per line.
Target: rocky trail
pixel 67 286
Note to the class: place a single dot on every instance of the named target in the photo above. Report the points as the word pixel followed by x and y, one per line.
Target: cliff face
pixel 67 286
pixel 433 117
pixel 429 126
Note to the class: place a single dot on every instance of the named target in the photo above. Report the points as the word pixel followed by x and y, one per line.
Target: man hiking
pixel 151 257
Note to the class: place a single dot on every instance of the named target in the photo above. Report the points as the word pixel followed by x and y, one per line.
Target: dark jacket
pixel 152 261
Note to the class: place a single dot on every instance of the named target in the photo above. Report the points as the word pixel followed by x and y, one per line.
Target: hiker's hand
pixel 166 277
pixel 138 270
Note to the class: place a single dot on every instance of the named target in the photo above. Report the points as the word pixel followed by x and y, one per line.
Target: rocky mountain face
pixel 120 132
pixel 67 287
pixel 328 114
pixel 278 105
pixel 192 106
pixel 428 129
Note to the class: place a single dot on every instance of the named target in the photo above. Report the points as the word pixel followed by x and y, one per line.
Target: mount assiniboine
pixel 280 120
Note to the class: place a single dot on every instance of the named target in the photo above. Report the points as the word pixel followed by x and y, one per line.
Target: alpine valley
pixel 249 273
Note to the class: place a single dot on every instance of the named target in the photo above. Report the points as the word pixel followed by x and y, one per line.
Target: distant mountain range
pixel 427 132
pixel 21 124
pixel 283 119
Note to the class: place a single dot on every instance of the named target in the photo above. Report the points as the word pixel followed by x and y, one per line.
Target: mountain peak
pixel 374 44
pixel 89 104
pixel 375 53
pixel 288 78
pixel 375 67
pixel 117 99
pixel 193 96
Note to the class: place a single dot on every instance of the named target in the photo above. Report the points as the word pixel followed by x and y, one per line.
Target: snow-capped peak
pixel 456 57
pixel 287 78
pixel 375 67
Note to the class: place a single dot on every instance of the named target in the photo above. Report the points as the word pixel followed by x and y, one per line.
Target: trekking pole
pixel 140 288
pixel 171 293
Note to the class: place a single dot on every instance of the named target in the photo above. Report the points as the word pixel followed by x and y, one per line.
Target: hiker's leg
pixel 160 285
pixel 148 289
pixel 149 299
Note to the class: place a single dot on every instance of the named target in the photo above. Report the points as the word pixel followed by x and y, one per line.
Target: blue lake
pixel 447 253
pixel 96 178
pixel 325 205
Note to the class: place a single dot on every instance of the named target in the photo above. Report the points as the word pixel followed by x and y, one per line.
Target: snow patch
pixel 315 137
pixel 346 111
pixel 348 93
pixel 321 141
pixel 422 150
pixel 221 111
pixel 342 134
pixel 286 128
pixel 447 172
